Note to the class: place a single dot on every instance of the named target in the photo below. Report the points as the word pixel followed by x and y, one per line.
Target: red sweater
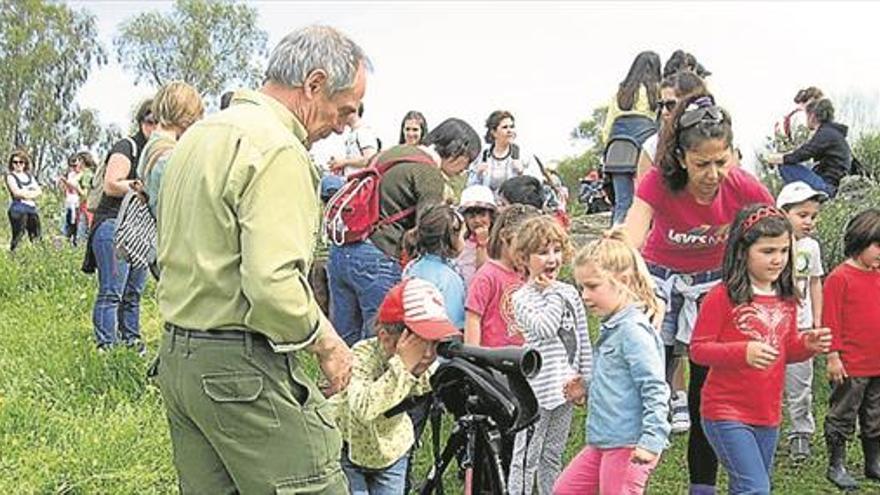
pixel 850 310
pixel 735 391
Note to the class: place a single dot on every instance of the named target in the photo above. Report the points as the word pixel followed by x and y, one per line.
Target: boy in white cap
pixel 801 203
pixel 394 365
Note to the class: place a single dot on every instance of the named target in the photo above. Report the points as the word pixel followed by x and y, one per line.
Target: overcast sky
pixel 552 63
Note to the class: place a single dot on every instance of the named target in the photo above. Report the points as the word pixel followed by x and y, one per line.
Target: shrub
pixel 855 195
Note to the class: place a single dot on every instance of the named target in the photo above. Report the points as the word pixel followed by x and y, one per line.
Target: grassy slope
pixel 75 422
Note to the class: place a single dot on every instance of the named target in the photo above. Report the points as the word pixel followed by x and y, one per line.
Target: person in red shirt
pixel 853 315
pixel 679 220
pixel 745 333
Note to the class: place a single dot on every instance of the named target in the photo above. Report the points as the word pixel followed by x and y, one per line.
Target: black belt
pixel 230 335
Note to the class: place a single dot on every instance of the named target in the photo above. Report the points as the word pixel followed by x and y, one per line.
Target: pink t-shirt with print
pixel 687 236
pixel 490 296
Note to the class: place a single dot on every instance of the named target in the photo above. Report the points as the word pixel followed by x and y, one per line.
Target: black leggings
pixel 702 461
pixel 21 222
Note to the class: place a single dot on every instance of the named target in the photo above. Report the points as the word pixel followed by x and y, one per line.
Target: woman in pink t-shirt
pixel 680 220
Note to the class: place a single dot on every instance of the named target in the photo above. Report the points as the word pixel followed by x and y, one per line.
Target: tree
pixel 208 44
pixel 47 51
pixel 589 131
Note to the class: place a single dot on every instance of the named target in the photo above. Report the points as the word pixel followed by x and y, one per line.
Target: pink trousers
pixel 605 472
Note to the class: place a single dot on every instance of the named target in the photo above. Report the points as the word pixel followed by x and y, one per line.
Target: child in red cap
pixel 389 368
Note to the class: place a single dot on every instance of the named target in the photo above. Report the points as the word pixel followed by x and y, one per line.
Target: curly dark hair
pixel 675 141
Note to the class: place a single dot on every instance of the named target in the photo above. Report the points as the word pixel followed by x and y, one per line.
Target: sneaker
pixel 681 418
pixel 799 448
pixel 138 346
pixel 104 348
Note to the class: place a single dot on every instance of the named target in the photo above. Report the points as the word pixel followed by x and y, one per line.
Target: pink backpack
pixel 353 213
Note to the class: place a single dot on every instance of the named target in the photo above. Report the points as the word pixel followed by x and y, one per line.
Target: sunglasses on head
pixel 668 105
pixel 150 120
pixel 711 115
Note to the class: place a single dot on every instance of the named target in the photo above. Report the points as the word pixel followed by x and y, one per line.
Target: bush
pixel 855 195
pixel 867 150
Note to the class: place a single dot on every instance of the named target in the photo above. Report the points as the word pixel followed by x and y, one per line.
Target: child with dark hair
pixel 522 190
pixel 394 365
pixel 479 210
pixel 851 312
pixel 437 240
pixel 745 333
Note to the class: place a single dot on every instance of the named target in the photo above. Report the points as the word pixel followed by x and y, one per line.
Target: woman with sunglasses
pixel 680 220
pixel 24 190
pixel 631 117
pixel 673 88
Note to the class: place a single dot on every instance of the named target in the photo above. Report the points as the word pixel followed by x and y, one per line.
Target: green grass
pixel 73 421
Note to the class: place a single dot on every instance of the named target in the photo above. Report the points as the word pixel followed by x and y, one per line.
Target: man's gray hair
pixel 316 47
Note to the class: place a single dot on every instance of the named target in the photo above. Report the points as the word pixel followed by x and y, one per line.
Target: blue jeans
pixel 798 172
pixel 746 452
pixel 365 481
pixel 360 275
pixel 117 305
pixel 624 190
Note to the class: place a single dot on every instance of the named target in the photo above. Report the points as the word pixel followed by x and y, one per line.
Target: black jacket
pixel 829 149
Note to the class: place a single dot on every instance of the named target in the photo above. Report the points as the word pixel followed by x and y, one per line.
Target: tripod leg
pixel 456 442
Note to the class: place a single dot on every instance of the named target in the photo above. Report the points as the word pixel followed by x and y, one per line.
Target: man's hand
pixel 334 357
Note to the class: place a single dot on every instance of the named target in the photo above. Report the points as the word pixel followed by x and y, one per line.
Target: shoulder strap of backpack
pixel 384 166
pixel 514 151
pixel 134 148
pixel 486 153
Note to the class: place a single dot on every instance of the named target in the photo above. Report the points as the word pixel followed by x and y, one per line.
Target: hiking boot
pixel 138 346
pixel 799 447
pixel 836 472
pixel 871 449
pixel 681 418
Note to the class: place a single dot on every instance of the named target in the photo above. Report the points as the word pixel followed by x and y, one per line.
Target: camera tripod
pixel 475 439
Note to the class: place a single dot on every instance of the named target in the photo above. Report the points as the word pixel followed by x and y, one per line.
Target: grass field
pixel 73 421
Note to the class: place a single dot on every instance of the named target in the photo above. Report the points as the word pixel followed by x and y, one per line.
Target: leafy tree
pixel 208 44
pixel 589 132
pixel 47 51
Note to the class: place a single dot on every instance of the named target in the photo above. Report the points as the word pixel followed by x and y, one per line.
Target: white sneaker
pixel 681 419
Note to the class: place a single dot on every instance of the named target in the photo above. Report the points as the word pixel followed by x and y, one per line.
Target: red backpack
pixel 353 213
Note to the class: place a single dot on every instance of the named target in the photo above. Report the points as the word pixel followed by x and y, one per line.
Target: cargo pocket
pixel 241 406
pixel 331 482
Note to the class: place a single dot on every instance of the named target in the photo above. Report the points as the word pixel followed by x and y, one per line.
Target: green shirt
pixel 378 384
pixel 238 221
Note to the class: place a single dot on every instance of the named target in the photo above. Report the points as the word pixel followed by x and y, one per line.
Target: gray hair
pixel 316 47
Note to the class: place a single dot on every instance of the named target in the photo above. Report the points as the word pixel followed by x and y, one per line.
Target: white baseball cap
pixel 477 196
pixel 798 192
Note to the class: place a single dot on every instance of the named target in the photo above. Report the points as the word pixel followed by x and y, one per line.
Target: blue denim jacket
pixel 629 398
pixel 440 272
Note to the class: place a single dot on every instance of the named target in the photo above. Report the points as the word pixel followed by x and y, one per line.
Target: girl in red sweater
pixel 745 333
pixel 851 312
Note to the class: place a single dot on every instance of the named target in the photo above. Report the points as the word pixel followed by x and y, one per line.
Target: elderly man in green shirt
pixel 238 222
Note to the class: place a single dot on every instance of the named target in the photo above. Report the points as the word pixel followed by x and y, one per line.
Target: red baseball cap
pixel 419 305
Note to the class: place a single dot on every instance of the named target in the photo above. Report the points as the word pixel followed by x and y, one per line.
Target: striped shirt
pixel 554 323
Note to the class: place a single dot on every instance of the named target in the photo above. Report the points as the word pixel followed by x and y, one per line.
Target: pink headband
pixel 762 213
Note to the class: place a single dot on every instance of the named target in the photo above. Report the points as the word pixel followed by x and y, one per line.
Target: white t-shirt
pixel 71 196
pixel 649 147
pixel 498 170
pixel 807 264
pixel 356 140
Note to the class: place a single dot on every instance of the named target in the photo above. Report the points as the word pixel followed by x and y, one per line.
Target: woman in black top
pixel 23 190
